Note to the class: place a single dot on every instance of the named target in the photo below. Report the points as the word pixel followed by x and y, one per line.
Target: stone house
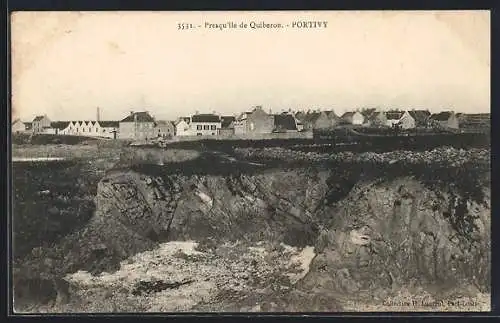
pixel 255 121
pixel 40 124
pixel 401 119
pixel 444 119
pixel 137 126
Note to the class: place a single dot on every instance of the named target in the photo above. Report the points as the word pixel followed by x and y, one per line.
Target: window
pixel 103 130
pixel 198 127
pixel 198 134
pixel 96 130
pixel 90 129
pixel 83 129
pixel 206 127
pixel 213 133
pixel 213 127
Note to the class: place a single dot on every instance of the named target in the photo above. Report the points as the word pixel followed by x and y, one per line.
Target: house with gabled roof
pixel 319 119
pixel 444 119
pixel 59 127
pixel 285 122
pixel 108 128
pixel 182 126
pixel 227 125
pixel 207 124
pixel 254 121
pixel 164 129
pixel 353 117
pixel 401 119
pixel 18 126
pixel 421 117
pixel 374 118
pixel 40 124
pixel 137 126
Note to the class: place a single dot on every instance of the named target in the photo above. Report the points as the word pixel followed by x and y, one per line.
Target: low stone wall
pixel 249 136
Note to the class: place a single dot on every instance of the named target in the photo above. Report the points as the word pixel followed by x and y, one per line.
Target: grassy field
pixel 112 153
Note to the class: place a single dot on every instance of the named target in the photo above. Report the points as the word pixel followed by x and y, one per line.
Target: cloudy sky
pixel 66 64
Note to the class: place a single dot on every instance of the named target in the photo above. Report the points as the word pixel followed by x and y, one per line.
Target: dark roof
pixel 164 123
pixel 205 118
pixel 332 114
pixel 347 115
pixel 59 124
pixel 311 117
pixel 141 117
pixel 27 123
pixel 38 118
pixel 420 115
pixel 394 115
pixel 442 116
pixel 16 120
pixel 227 120
pixel 109 124
pixel 284 122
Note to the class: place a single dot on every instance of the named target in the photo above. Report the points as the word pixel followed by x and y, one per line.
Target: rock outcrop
pixel 372 232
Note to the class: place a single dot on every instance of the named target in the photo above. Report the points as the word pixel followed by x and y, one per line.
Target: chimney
pixel 196 112
pixel 98 114
pixel 131 113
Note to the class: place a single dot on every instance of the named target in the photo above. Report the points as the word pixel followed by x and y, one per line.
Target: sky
pixel 66 64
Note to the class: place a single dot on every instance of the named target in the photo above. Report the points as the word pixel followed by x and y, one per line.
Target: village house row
pixel 142 125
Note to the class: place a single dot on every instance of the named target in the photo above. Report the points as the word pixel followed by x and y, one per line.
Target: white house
pixel 355 118
pixel 205 124
pixel 18 126
pixel 182 127
pixel 401 118
pixel 107 129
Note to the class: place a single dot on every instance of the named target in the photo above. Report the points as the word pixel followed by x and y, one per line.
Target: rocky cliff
pixel 375 226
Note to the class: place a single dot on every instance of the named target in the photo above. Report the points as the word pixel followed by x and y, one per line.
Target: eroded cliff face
pixel 371 233
pixel 274 205
pixel 386 235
